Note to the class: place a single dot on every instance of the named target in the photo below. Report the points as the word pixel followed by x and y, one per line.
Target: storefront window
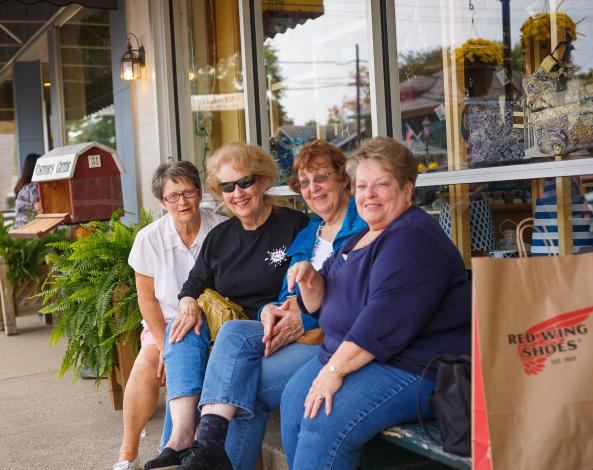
pixel 86 72
pixel 474 93
pixel 483 220
pixel 316 63
pixel 215 75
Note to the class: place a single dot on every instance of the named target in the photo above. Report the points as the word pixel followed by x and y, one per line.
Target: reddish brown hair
pixel 319 149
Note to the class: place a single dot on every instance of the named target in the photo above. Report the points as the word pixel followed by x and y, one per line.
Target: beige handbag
pixel 218 310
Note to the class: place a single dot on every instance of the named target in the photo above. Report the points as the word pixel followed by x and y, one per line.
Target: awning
pixel 278 16
pixel 23 22
pixel 100 4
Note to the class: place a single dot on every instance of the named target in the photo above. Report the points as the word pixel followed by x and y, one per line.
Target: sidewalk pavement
pixel 46 423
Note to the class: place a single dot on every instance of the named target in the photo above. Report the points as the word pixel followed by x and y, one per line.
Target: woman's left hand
pixel 323 389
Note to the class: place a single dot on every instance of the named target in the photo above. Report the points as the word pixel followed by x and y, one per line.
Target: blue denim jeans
pixel 185 366
pixel 238 374
pixel 371 399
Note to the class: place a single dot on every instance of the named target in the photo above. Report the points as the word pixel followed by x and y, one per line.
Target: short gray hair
pixel 174 171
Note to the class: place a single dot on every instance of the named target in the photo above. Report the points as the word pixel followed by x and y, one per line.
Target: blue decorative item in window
pixel 481 225
pixel 546 215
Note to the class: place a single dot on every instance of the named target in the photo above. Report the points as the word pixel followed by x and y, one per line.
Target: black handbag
pixel 451 402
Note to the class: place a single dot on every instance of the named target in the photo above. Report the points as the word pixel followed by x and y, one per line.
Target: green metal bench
pixel 407 447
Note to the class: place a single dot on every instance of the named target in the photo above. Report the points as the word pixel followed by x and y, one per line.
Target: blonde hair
pixel 251 159
pixel 393 156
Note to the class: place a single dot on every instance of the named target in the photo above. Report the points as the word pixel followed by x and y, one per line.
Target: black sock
pixel 213 431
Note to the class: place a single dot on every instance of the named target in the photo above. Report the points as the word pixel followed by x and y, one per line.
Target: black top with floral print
pixel 247 266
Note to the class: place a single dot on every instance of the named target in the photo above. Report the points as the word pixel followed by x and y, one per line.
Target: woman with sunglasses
pixel 252 361
pixel 244 259
pixel 162 256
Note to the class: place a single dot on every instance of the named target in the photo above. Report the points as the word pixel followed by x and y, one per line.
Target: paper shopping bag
pixel 480 435
pixel 535 344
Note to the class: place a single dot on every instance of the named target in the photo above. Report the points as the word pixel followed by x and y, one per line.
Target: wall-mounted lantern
pixel 132 61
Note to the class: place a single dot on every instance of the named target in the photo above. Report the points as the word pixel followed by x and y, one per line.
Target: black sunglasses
pixel 243 183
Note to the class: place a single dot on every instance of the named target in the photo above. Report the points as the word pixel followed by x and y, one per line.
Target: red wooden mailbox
pixel 77 183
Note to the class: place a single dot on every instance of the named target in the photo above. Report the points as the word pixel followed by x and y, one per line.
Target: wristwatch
pixel 333 370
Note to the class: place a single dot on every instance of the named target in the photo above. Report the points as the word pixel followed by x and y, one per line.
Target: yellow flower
pixel 433 166
pixel 421 168
pixel 537 27
pixel 479 50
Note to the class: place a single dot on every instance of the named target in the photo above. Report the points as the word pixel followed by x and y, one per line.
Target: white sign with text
pixel 55 168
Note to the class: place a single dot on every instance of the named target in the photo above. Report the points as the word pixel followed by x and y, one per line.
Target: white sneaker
pixel 126 465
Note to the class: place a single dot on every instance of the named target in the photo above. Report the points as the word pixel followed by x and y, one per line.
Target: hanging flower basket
pixel 536 36
pixel 537 28
pixel 479 58
pixel 479 51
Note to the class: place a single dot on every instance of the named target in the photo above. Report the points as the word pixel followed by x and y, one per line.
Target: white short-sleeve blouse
pixel 158 252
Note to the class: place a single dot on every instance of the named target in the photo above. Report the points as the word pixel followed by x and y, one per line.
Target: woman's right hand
pixel 160 371
pixel 301 273
pixel 189 316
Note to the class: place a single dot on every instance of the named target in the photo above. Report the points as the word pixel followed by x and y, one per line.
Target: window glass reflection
pixel 316 62
pixel 216 76
pixel 86 72
pixel 474 92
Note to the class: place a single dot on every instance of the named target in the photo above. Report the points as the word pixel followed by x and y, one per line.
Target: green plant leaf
pixel 79 289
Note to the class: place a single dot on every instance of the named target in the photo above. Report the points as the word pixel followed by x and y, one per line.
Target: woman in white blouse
pixel 162 256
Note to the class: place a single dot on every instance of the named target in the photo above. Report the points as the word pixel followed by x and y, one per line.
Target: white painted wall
pixel 8 177
pixel 144 106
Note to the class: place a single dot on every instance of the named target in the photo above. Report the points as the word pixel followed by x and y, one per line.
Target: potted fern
pixel 91 290
pixel 24 260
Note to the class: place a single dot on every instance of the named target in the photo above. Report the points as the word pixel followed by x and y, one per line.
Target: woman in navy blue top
pixel 394 297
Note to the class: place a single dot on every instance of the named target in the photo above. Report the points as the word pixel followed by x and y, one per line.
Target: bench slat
pixel 413 438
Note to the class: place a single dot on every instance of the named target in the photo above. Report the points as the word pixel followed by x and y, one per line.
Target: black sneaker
pixel 167 459
pixel 202 458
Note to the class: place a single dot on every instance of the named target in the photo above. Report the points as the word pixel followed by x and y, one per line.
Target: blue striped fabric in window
pixel 546 215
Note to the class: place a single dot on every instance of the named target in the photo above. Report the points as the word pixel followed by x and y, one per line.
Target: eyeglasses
pixel 317 179
pixel 174 197
pixel 243 183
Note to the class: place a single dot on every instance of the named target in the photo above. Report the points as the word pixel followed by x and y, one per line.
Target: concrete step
pixel 272 452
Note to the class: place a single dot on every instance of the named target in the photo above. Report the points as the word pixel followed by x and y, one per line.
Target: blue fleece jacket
pixel 301 249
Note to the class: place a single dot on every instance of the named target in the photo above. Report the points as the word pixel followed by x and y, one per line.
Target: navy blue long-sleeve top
pixel 405 298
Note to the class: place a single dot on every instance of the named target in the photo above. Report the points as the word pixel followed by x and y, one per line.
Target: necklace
pixel 317 241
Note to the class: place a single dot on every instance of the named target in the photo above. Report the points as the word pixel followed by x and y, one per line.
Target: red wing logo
pixel 558 334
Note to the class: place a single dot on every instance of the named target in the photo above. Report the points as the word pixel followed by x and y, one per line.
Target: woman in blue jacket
pixel 252 360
